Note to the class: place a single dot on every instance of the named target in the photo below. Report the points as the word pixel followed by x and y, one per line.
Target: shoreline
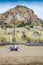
pixel 28 55
pixel 21 43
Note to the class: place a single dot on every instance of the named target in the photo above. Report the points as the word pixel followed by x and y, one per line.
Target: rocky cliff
pixel 18 15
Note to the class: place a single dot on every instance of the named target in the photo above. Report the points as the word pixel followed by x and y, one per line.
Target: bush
pixel 18 37
pixel 27 27
pixel 2 39
pixel 14 39
pixel 9 25
pixel 28 36
pixel 8 31
pixel 8 38
pixel 41 38
pixel 31 26
pixel 21 25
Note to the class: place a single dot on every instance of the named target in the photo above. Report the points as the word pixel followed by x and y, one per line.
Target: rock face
pixel 18 15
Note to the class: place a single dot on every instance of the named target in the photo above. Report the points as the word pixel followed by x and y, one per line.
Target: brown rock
pixel 19 14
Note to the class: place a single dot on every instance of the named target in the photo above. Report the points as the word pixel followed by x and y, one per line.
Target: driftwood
pixel 20 43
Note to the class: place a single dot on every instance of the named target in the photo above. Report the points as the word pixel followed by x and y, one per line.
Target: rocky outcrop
pixel 18 15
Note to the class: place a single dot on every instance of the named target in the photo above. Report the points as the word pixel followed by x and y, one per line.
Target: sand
pixel 27 55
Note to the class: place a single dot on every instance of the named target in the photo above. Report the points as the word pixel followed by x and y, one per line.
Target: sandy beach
pixel 27 55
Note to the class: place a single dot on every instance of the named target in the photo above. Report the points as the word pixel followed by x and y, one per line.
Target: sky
pixel 35 5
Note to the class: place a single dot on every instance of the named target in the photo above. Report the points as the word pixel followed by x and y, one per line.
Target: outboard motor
pixel 13 48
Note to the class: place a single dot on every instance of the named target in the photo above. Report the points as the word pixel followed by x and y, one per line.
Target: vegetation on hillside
pixel 21 33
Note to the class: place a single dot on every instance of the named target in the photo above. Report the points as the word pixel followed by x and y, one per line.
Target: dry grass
pixel 26 56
